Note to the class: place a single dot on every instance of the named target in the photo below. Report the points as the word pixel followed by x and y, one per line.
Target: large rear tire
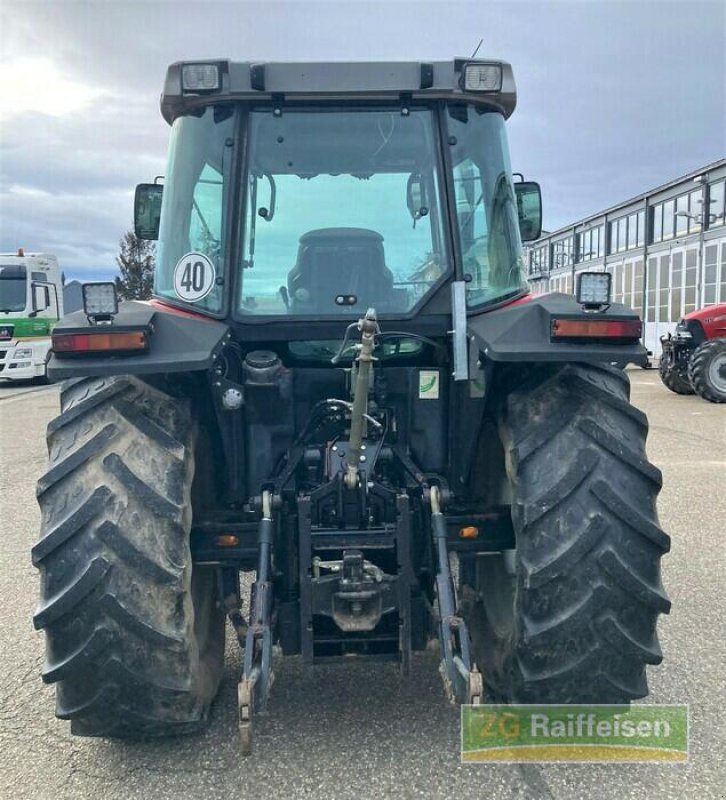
pixel 570 615
pixel 707 370
pixel 134 634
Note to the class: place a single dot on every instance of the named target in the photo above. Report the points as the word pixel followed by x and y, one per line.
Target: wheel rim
pixel 717 372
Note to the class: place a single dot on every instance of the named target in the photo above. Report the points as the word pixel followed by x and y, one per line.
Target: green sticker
pixel 428 385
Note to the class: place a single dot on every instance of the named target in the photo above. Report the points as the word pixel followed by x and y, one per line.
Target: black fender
pixel 178 342
pixel 522 331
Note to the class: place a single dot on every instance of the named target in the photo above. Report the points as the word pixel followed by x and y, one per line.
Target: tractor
pixel 693 359
pixel 343 396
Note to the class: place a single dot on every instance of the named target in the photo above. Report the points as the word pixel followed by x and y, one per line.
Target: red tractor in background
pixel 693 360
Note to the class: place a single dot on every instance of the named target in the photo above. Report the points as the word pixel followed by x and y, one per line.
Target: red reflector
pixel 99 342
pixel 597 328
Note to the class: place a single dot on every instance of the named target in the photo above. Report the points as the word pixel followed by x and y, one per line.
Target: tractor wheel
pixel 674 378
pixel 134 634
pixel 569 616
pixel 707 370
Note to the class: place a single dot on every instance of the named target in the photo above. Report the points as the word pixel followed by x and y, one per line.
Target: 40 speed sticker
pixel 194 277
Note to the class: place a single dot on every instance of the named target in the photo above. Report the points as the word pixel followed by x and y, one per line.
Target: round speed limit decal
pixel 194 277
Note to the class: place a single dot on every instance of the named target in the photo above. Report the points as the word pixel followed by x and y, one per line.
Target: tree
pixel 136 263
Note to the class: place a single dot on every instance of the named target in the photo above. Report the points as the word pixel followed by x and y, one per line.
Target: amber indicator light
pixel 226 540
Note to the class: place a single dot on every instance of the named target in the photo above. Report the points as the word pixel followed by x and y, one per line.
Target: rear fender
pixel 178 342
pixel 522 332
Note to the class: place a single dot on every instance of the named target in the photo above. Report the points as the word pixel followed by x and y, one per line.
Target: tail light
pixel 100 342
pixel 628 329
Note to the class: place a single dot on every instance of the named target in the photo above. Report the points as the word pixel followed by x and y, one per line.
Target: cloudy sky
pixel 613 97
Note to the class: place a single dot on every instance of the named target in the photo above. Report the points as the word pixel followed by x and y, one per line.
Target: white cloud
pixel 37 85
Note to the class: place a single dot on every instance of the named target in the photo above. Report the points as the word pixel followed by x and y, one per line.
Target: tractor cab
pixel 286 196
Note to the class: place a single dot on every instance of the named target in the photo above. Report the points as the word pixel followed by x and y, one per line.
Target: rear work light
pixel 200 78
pixel 101 342
pixel 630 329
pixel 483 77
pixel 593 289
pixel 100 301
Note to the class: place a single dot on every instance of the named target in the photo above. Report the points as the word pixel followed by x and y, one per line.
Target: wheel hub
pixel 717 372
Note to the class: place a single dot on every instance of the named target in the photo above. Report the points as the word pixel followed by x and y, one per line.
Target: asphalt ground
pixel 357 731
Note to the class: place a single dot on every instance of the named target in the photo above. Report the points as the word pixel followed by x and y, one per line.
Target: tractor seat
pixel 339 263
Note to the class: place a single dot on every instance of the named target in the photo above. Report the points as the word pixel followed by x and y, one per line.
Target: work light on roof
pixel 483 77
pixel 200 78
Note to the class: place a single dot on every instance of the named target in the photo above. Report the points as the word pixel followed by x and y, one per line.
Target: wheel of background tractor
pixel 134 635
pixel 707 370
pixel 570 615
pixel 673 377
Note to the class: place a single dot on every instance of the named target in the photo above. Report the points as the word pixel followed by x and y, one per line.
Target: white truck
pixel 31 302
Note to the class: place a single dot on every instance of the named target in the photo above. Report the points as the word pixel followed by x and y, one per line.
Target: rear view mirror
pixel 529 209
pixel 147 210
pixel 41 299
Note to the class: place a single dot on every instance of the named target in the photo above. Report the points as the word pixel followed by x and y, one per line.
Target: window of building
pixel 664 291
pixel 589 244
pixel 695 209
pixel 710 275
pixel 618 283
pixel 632 231
pixel 582 247
pixel 669 212
pixel 625 233
pixel 650 306
pixel 539 259
pixel 628 284
pixel 618 234
pixel 622 234
pixel 682 215
pixel 676 286
pixel 690 280
pixel 638 286
pixel 716 208
pixel 562 252
pixel 657 222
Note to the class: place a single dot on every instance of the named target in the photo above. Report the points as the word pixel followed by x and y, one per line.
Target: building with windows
pixel 665 248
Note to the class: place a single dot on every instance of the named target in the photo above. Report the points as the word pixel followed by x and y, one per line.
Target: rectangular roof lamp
pixel 482 77
pixel 200 78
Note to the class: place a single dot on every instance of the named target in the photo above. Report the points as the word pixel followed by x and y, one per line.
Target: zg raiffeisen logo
pixel 570 733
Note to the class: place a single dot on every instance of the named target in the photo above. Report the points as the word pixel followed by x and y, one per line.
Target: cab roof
pixel 334 81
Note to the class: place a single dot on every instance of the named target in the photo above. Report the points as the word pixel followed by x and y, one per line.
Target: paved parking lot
pixel 357 731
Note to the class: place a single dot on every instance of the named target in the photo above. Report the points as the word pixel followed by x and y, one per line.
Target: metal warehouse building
pixel 666 250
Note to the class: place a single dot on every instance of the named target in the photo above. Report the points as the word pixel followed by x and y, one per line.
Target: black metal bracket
pixel 462 680
pixel 393 537
pixel 254 688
